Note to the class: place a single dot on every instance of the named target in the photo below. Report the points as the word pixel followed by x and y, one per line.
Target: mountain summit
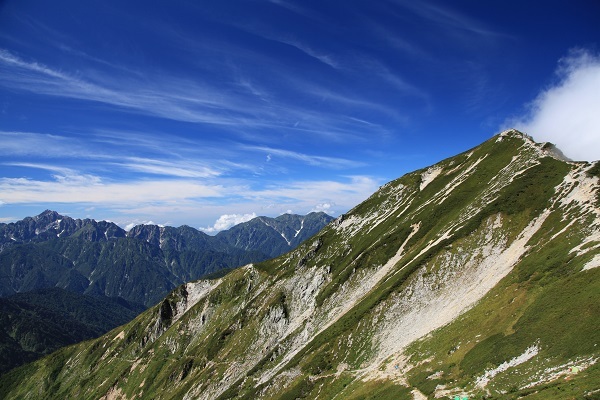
pixel 476 277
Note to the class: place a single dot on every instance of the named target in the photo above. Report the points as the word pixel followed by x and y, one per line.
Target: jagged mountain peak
pixel 50 224
pixel 278 235
pixel 48 215
pixel 460 279
pixel 544 148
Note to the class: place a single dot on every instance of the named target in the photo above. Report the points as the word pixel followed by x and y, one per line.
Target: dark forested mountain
pixel 142 265
pixel 478 277
pixel 36 323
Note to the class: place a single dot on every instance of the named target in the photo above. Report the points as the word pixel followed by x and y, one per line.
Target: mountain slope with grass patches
pixel 475 277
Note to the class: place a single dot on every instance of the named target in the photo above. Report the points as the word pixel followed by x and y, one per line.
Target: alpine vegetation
pixel 474 278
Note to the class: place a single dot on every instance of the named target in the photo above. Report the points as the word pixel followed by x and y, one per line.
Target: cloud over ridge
pixel 567 113
pixel 226 221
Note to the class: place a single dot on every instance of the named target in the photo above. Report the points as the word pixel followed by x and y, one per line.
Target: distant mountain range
pixel 478 278
pixel 140 265
pixel 65 280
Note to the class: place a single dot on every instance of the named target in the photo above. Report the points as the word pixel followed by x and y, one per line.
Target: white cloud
pixel 324 207
pixel 568 113
pixel 184 169
pixel 92 190
pixel 309 193
pixel 227 221
pixel 132 224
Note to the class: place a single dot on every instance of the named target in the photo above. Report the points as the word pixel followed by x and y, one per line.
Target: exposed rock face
pixel 459 279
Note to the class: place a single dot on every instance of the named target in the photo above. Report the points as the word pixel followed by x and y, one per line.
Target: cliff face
pixel 477 276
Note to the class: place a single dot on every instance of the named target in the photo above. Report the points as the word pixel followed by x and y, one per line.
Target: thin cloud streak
pixel 62 171
pixel 331 162
pixel 323 58
pixel 40 144
pixel 295 9
pixel 352 192
pixel 449 18
pixel 168 168
pixel 53 148
pixel 79 189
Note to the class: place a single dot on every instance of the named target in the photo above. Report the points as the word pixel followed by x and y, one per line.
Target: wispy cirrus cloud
pixel 167 97
pixel 295 8
pixel 183 169
pixel 324 58
pixel 188 100
pixel 322 161
pixel 81 189
pixel 177 161
pixel 380 70
pixel 449 18
pixel 40 144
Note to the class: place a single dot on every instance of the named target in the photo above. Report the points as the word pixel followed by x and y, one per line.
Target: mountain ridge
pixel 98 257
pixel 51 223
pixel 460 279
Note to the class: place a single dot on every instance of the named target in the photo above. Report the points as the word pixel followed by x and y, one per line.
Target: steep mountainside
pixel 475 277
pixel 37 323
pixel 141 265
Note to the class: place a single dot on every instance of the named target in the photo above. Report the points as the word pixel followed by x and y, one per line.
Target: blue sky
pixel 208 113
